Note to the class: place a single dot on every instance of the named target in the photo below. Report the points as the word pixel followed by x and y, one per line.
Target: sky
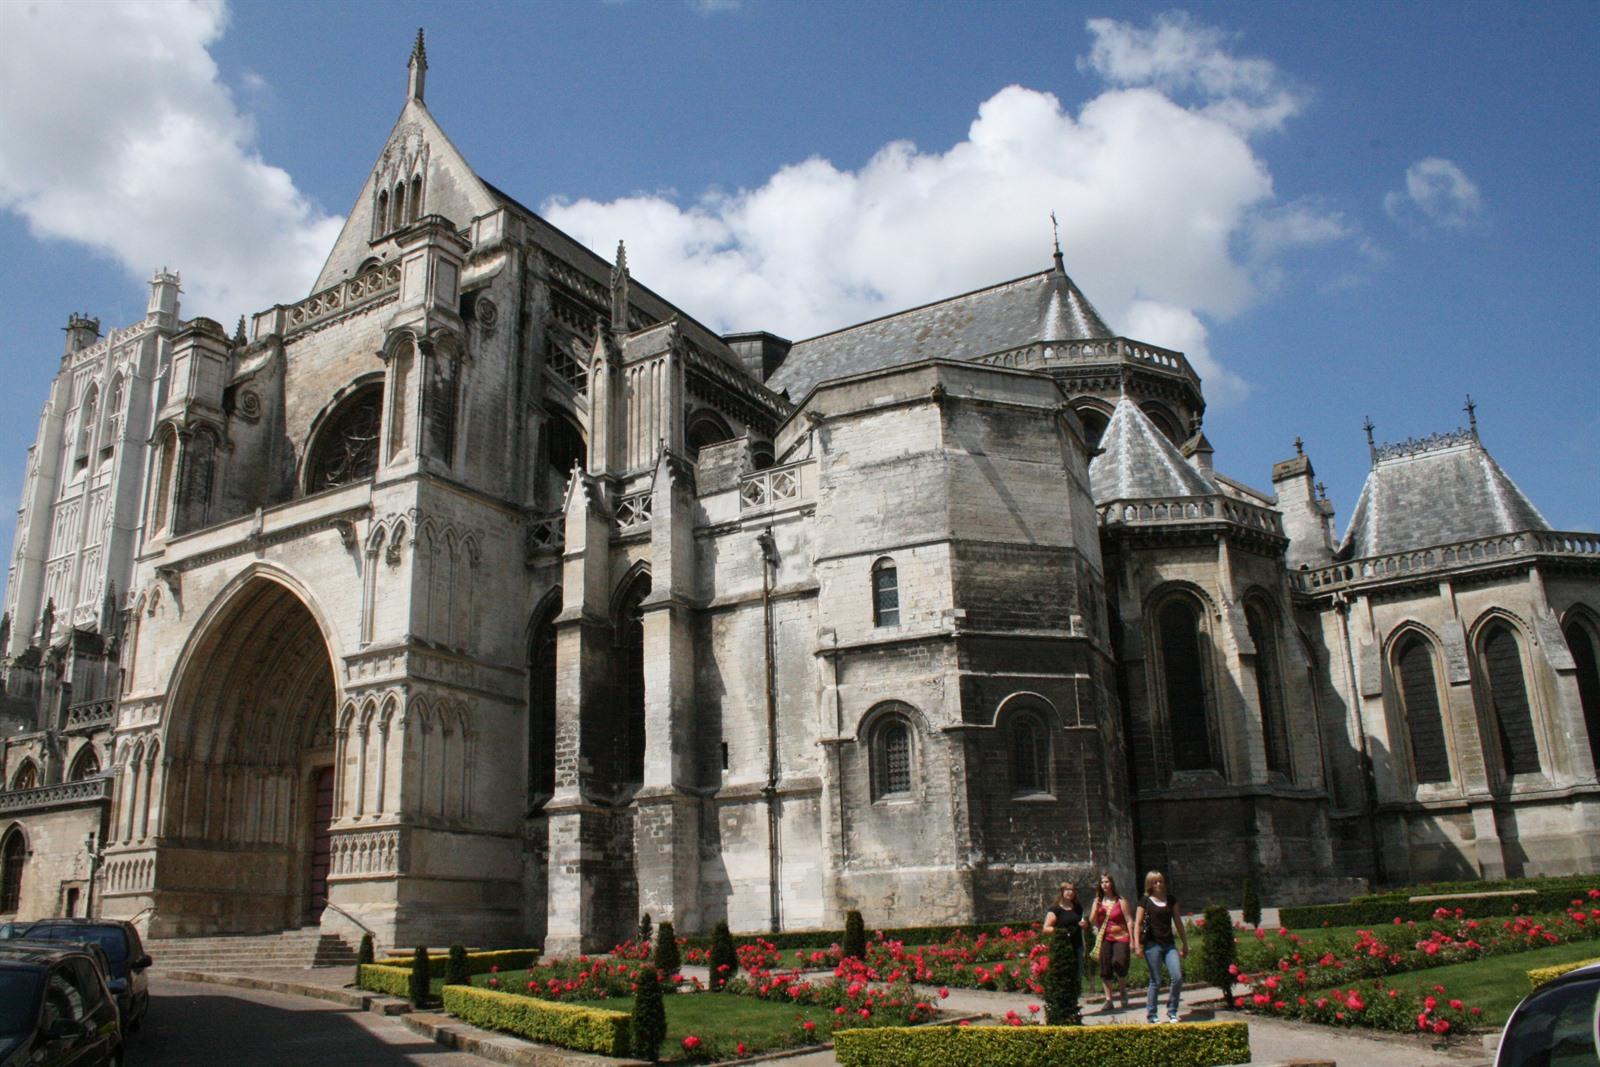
pixel 1338 211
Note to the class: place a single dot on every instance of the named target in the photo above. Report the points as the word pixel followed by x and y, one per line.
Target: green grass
pixel 1498 983
pixel 727 1019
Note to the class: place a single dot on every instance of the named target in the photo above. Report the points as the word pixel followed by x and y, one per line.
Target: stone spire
pixel 418 68
pixel 619 292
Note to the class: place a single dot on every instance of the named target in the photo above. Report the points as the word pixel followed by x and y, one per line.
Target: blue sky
pixel 1338 210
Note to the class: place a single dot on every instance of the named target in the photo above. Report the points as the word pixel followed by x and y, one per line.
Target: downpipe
pixel 769 792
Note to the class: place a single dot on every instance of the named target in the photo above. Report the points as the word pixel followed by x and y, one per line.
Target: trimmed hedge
pixel 391 978
pixel 548 1022
pixel 1111 1045
pixel 1501 885
pixel 1379 910
pixel 1540 975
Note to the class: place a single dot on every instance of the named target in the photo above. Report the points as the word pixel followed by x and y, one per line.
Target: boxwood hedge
pixel 1540 975
pixel 390 977
pixel 1376 910
pixel 609 1033
pixel 1184 1045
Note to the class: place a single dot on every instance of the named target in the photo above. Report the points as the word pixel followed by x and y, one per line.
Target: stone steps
pixel 292 948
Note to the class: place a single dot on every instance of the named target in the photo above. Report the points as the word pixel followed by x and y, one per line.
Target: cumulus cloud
pixel 119 134
pixel 1167 212
pixel 1438 192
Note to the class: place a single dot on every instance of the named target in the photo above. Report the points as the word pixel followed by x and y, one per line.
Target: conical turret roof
pixel 1137 461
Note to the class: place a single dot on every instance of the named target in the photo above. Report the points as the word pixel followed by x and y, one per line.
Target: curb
pixel 372 1002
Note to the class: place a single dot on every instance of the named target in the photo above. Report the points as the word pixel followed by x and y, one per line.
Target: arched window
pixel 1501 659
pixel 1164 421
pixel 542 708
pixel 27 776
pixel 86 423
pixel 1094 424
pixel 1030 755
pixel 166 461
pixel 383 214
pixel 761 457
pixel 113 413
pixel 1182 648
pixel 397 217
pixel 891 757
pixel 400 363
pixel 416 198
pixel 1269 688
pixel 1416 672
pixel 13 854
pixel 85 765
pixel 440 406
pixel 346 448
pixel 885 594
pixel 629 738
pixel 705 428
pixel 564 447
pixel 1585 648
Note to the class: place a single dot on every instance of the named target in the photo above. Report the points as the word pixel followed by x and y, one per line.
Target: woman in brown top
pixel 1111 916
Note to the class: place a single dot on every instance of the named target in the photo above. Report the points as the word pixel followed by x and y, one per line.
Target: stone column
pixel 667 857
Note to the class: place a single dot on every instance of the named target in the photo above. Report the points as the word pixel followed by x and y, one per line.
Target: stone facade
pixel 483 595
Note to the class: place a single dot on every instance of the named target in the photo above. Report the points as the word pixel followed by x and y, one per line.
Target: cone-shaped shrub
pixel 1219 951
pixel 667 960
pixel 419 987
pixel 724 961
pixel 1062 982
pixel 649 1013
pixel 645 929
pixel 455 968
pixel 364 954
pixel 855 936
pixel 1252 903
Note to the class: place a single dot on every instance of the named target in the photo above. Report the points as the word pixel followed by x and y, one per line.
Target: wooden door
pixel 321 819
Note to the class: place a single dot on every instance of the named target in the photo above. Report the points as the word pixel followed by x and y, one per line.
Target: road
pixel 213 1026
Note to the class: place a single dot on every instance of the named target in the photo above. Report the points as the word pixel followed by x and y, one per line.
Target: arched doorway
pixel 247 802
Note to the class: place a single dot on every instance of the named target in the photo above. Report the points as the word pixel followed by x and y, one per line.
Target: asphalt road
pixel 218 1026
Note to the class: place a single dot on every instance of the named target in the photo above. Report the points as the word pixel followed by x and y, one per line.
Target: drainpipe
pixel 1341 601
pixel 769 564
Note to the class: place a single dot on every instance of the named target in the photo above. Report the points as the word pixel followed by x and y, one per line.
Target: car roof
pixel 118 923
pixel 35 954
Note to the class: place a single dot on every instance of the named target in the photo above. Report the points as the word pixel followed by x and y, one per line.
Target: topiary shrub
pixel 645 929
pixel 649 1013
pixel 1219 951
pixel 1113 1045
pixel 418 988
pixel 1062 982
pixel 1252 903
pixel 364 955
pixel 545 1021
pixel 667 960
pixel 855 936
pixel 456 971
pixel 724 961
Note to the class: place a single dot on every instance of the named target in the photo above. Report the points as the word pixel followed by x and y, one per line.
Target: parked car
pixel 56 1009
pixel 123 950
pixel 1557 1025
pixel 10 930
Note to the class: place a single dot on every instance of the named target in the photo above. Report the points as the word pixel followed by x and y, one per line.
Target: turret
pixel 82 332
pixel 1307 516
pixel 164 295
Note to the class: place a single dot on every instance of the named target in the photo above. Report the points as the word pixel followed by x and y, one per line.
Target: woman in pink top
pixel 1113 917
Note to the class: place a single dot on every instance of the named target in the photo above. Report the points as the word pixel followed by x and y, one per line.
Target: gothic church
pixel 484 595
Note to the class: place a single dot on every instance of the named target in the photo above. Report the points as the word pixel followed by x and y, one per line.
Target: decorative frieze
pixel 353 854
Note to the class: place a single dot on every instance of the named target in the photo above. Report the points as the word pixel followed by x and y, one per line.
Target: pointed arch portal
pixel 244 808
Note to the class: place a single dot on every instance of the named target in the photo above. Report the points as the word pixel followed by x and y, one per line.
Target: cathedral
pixel 483 595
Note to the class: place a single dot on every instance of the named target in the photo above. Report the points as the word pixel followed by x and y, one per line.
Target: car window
pixel 1555 1028
pixel 87 977
pixel 62 997
pixel 19 1000
pixel 111 938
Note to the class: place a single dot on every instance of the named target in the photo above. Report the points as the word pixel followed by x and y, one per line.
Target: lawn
pixel 1497 983
pixel 722 1021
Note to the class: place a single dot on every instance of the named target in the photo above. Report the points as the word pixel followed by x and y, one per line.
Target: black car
pixel 1557 1025
pixel 124 951
pixel 56 1010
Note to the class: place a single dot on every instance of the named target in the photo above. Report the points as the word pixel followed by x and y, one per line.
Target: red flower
pixel 1441 1026
pixel 739 1048
pixel 691 1043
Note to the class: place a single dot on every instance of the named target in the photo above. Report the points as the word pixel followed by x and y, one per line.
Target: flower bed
pixel 1379 1004
pixel 1543 895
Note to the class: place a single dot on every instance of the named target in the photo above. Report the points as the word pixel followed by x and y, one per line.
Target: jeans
pixel 1154 957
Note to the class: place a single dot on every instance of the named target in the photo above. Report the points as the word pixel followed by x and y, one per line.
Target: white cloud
pixel 1438 192
pixel 715 7
pixel 119 134
pixel 1182 58
pixel 1167 213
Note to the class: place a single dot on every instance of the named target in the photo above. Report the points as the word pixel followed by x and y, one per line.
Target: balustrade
pixel 345 295
pixel 765 489
pixel 54 796
pixel 633 510
pixel 90 713
pixel 1440 558
pixel 1191 509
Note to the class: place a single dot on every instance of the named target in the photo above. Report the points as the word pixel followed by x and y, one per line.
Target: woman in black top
pixel 1158 932
pixel 1067 914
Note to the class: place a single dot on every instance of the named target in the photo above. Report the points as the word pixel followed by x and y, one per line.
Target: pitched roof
pixel 1040 307
pixel 1436 491
pixel 1137 461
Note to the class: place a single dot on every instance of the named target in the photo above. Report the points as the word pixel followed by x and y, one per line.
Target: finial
pixel 619 291
pixel 238 332
pixel 1372 446
pixel 1055 231
pixel 1299 446
pixel 1322 491
pixel 418 67
pixel 1472 416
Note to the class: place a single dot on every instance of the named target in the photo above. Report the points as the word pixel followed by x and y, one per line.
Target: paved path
pixel 194 1025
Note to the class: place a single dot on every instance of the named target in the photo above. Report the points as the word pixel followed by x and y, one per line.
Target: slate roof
pixel 1136 461
pixel 1040 307
pixel 1438 491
